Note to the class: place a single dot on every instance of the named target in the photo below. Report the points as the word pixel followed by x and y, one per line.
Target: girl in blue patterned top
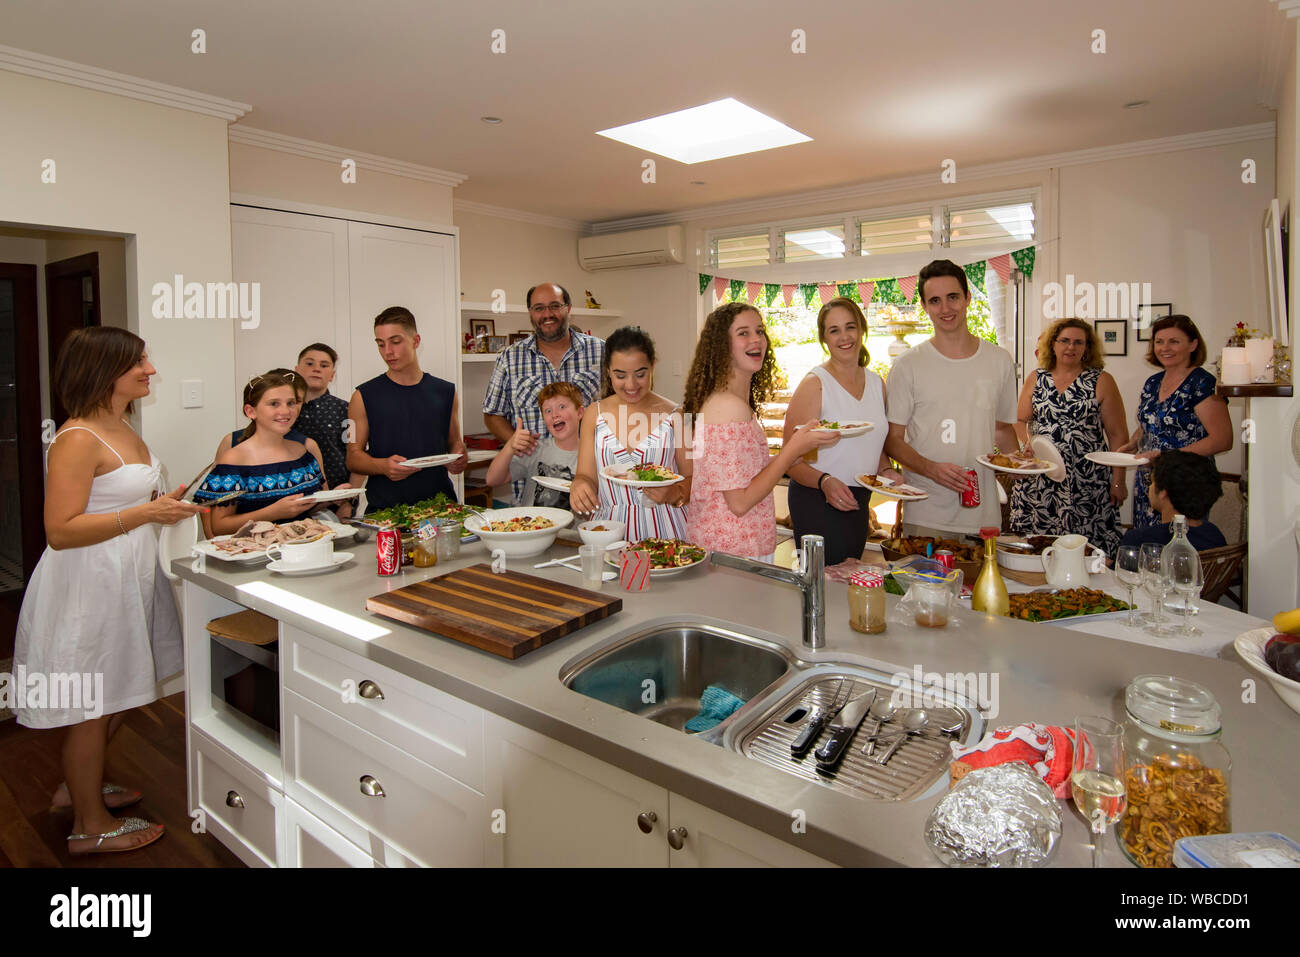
pixel 1178 408
pixel 276 474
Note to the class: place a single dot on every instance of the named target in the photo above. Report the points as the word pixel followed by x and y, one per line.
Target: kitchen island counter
pixel 1039 673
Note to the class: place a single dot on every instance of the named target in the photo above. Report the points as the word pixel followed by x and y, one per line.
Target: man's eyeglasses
pixel 541 310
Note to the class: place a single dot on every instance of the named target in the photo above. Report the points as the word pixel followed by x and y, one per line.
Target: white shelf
pixel 479 356
pixel 484 310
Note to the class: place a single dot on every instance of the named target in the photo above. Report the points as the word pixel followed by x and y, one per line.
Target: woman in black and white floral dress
pixel 1074 403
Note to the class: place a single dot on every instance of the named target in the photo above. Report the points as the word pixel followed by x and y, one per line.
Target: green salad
pixel 404 518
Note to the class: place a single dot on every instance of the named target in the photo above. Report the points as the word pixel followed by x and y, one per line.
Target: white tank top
pixel 849 458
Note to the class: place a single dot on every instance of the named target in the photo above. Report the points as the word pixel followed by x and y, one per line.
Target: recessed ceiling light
pixel 702 133
pixel 491 120
pixel 1136 104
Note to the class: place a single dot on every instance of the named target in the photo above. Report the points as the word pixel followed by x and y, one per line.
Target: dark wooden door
pixel 71 302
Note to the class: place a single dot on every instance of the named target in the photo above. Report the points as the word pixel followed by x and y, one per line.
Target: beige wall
pixel 157 177
pixel 300 179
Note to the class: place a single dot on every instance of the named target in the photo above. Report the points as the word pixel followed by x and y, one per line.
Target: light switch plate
pixel 191 393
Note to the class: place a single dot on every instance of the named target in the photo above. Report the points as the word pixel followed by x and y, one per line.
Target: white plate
pixel 984 461
pixel 634 483
pixel 889 490
pixel 1250 645
pixel 334 495
pixel 550 481
pixel 209 549
pixel 1045 450
pixel 611 558
pixel 1113 459
pixel 849 431
pixel 278 566
pixel 429 461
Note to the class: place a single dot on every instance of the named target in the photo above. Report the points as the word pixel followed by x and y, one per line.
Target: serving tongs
pixel 817 720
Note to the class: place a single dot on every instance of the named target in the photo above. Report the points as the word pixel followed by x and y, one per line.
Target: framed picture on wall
pixel 496 343
pixel 518 337
pixel 1113 336
pixel 482 327
pixel 1148 314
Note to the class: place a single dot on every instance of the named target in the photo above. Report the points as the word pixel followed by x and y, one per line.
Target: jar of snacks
pixel 867 602
pixel 1178 777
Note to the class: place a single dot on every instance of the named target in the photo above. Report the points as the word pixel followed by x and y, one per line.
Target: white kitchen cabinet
pixel 710 839
pixel 232 801
pixel 309 842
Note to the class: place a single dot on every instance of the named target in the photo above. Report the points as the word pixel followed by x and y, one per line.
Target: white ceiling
pixel 886 88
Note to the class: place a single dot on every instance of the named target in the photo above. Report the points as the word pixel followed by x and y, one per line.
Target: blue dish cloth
pixel 716 705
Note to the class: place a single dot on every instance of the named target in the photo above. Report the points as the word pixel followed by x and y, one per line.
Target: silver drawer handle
pixel 677 838
pixel 371 787
pixel 233 799
pixel 646 821
pixel 368 689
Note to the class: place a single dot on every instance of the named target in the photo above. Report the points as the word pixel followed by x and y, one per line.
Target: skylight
pixel 702 133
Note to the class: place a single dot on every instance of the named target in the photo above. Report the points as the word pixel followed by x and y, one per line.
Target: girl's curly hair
pixel 711 367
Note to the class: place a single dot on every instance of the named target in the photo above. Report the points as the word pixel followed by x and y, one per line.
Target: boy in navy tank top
pixel 403 414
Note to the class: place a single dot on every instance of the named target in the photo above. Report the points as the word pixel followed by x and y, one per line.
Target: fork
pixel 817 720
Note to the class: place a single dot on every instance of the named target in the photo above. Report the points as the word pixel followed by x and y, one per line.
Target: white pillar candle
pixel 1236 368
pixel 1259 353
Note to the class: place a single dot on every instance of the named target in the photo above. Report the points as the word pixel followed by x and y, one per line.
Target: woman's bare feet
pixel 115 796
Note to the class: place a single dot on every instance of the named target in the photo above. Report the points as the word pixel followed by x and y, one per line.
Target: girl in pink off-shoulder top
pixel 732 508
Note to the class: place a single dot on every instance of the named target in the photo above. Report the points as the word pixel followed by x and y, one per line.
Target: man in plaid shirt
pixel 553 353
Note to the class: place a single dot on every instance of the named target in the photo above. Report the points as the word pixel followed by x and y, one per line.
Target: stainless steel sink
pixel 660 672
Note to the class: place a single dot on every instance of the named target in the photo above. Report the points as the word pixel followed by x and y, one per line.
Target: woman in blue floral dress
pixel 1078 406
pixel 1178 408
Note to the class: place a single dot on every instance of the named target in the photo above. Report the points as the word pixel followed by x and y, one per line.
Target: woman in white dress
pixel 97 608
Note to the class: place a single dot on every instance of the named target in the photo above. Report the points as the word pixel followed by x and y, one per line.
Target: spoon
pixel 914 722
pixel 882 709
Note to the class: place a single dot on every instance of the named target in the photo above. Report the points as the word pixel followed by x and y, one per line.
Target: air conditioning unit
pixel 660 246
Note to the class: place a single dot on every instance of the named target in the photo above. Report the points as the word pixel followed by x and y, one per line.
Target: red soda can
pixel 388 551
pixel 971 497
pixel 946 558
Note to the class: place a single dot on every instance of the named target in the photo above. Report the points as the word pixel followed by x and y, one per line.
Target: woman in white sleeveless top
pixel 825 496
pixel 97 604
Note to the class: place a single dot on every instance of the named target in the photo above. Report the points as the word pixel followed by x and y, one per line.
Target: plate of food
pixel 641 476
pixel 1065 604
pixel 430 461
pixel 248 544
pixel 1112 459
pixel 404 518
pixel 551 481
pixel 1014 464
pixel 334 494
pixel 847 430
pixel 891 489
pixel 668 556
pixel 519 532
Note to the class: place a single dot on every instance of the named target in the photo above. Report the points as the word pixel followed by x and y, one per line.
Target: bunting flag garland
pixel 865 291
pixel 844 290
pixel 752 289
pixel 826 291
pixel 770 291
pixel 975 273
pixel 887 291
pixel 787 295
pixel 907 287
pixel 1002 266
pixel 720 289
pixel 807 290
pixel 1025 261
pixel 737 285
pixel 705 279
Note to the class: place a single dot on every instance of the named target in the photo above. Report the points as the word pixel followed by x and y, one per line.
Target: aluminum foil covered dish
pixel 1003 816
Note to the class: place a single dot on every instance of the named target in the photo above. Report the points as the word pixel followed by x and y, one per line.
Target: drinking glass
pixel 1156 584
pixel 1097 776
pixel 1128 569
pixel 1187 577
pixel 593 565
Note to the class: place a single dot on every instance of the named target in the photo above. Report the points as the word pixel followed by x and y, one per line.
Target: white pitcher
pixel 1064 562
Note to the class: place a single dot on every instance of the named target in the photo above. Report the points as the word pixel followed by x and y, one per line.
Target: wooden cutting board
pixel 509 614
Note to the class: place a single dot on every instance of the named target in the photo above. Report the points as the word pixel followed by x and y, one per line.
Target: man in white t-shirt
pixel 951 398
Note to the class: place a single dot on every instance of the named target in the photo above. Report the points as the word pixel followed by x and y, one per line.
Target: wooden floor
pixel 148 754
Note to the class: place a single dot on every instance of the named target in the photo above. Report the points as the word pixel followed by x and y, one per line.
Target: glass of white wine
pixel 1128 569
pixel 1187 576
pixel 1097 776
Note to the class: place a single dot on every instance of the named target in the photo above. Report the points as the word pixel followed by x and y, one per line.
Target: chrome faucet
pixel 810 578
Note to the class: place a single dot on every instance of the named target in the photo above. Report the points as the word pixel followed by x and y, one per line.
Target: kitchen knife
pixel 843 727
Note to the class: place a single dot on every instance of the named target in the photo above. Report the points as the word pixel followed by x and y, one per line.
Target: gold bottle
pixel 990 591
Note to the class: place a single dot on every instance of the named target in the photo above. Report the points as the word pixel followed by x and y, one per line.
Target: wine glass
pixel 1128 569
pixel 1187 577
pixel 1097 776
pixel 1156 584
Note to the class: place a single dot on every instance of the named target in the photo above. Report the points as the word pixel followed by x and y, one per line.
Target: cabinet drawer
pixel 442 731
pixel 313 843
pixel 423 813
pixel 235 799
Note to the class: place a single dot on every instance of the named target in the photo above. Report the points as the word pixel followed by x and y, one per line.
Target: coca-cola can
pixel 946 558
pixel 971 497
pixel 388 551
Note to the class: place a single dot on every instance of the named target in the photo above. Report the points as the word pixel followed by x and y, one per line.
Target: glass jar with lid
pixel 1178 776
pixel 867 602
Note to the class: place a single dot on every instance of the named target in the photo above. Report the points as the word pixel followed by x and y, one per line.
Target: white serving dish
pixel 1024 562
pixel 1250 645
pixel 519 544
pixel 209 549
pixel 613 534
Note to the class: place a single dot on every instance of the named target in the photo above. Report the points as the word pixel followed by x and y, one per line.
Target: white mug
pixel 304 554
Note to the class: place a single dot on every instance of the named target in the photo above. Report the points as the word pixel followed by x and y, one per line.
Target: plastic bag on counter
pixel 930 593
pixel 1001 816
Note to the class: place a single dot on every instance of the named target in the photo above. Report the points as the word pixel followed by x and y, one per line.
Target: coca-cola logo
pixel 386 546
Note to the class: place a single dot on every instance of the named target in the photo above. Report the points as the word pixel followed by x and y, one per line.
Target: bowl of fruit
pixel 1275 654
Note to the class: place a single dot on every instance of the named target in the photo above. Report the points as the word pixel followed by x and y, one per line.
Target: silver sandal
pixel 129 825
pixel 106 790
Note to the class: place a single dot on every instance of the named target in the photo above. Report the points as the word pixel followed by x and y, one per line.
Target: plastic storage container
pixel 1237 850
